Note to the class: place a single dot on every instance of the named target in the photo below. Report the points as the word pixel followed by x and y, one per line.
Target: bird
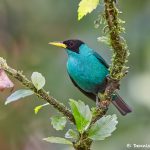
pixel 88 71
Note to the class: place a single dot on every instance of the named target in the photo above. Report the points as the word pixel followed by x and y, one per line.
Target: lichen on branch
pixel 119 57
pixel 118 43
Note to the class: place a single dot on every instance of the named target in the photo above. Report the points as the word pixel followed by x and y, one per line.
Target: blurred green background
pixel 25 29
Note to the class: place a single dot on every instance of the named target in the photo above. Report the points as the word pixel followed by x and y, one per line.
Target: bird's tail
pixel 120 104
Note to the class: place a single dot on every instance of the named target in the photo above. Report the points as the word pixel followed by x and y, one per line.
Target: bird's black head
pixel 73 45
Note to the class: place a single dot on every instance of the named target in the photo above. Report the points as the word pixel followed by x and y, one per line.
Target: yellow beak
pixel 59 44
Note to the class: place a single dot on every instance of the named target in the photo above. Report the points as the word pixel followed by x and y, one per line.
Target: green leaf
pixel 18 94
pixel 38 108
pixel 38 80
pixel 94 111
pixel 71 134
pixel 58 122
pixel 103 127
pixel 57 140
pixel 86 6
pixel 82 114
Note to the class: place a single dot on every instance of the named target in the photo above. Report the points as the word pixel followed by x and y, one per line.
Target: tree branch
pixel 120 50
pixel 117 68
pixel 120 54
pixel 41 93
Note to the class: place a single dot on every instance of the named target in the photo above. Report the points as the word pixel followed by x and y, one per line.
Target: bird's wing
pixel 102 86
pixel 101 59
pixel 90 95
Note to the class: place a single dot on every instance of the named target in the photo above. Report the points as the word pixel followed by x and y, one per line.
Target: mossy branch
pixel 41 93
pixel 117 69
pixel 120 55
pixel 120 50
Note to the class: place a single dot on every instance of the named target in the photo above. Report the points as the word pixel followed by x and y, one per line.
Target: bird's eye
pixel 71 44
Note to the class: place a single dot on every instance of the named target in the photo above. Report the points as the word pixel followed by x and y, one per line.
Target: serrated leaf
pixel 38 108
pixel 103 127
pixel 58 122
pixel 71 134
pixel 86 6
pixel 18 94
pixel 38 80
pixel 82 114
pixel 57 140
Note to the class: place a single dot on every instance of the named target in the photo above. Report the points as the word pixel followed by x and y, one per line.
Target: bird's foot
pixel 104 104
pixel 115 83
pixel 101 103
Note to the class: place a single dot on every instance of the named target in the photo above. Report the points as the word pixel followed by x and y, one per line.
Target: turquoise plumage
pixel 85 69
pixel 88 71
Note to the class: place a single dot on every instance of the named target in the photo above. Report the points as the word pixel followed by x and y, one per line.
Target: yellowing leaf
pixel 39 107
pixel 86 6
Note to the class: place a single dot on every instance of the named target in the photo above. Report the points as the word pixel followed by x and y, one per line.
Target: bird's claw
pixel 115 83
pixel 102 103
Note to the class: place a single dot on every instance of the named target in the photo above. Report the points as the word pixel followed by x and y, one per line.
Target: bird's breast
pixel 86 71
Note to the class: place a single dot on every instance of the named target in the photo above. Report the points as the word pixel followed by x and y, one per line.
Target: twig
pixel 120 50
pixel 41 93
pixel 120 54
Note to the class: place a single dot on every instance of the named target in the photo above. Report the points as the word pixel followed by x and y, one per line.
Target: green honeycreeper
pixel 88 71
